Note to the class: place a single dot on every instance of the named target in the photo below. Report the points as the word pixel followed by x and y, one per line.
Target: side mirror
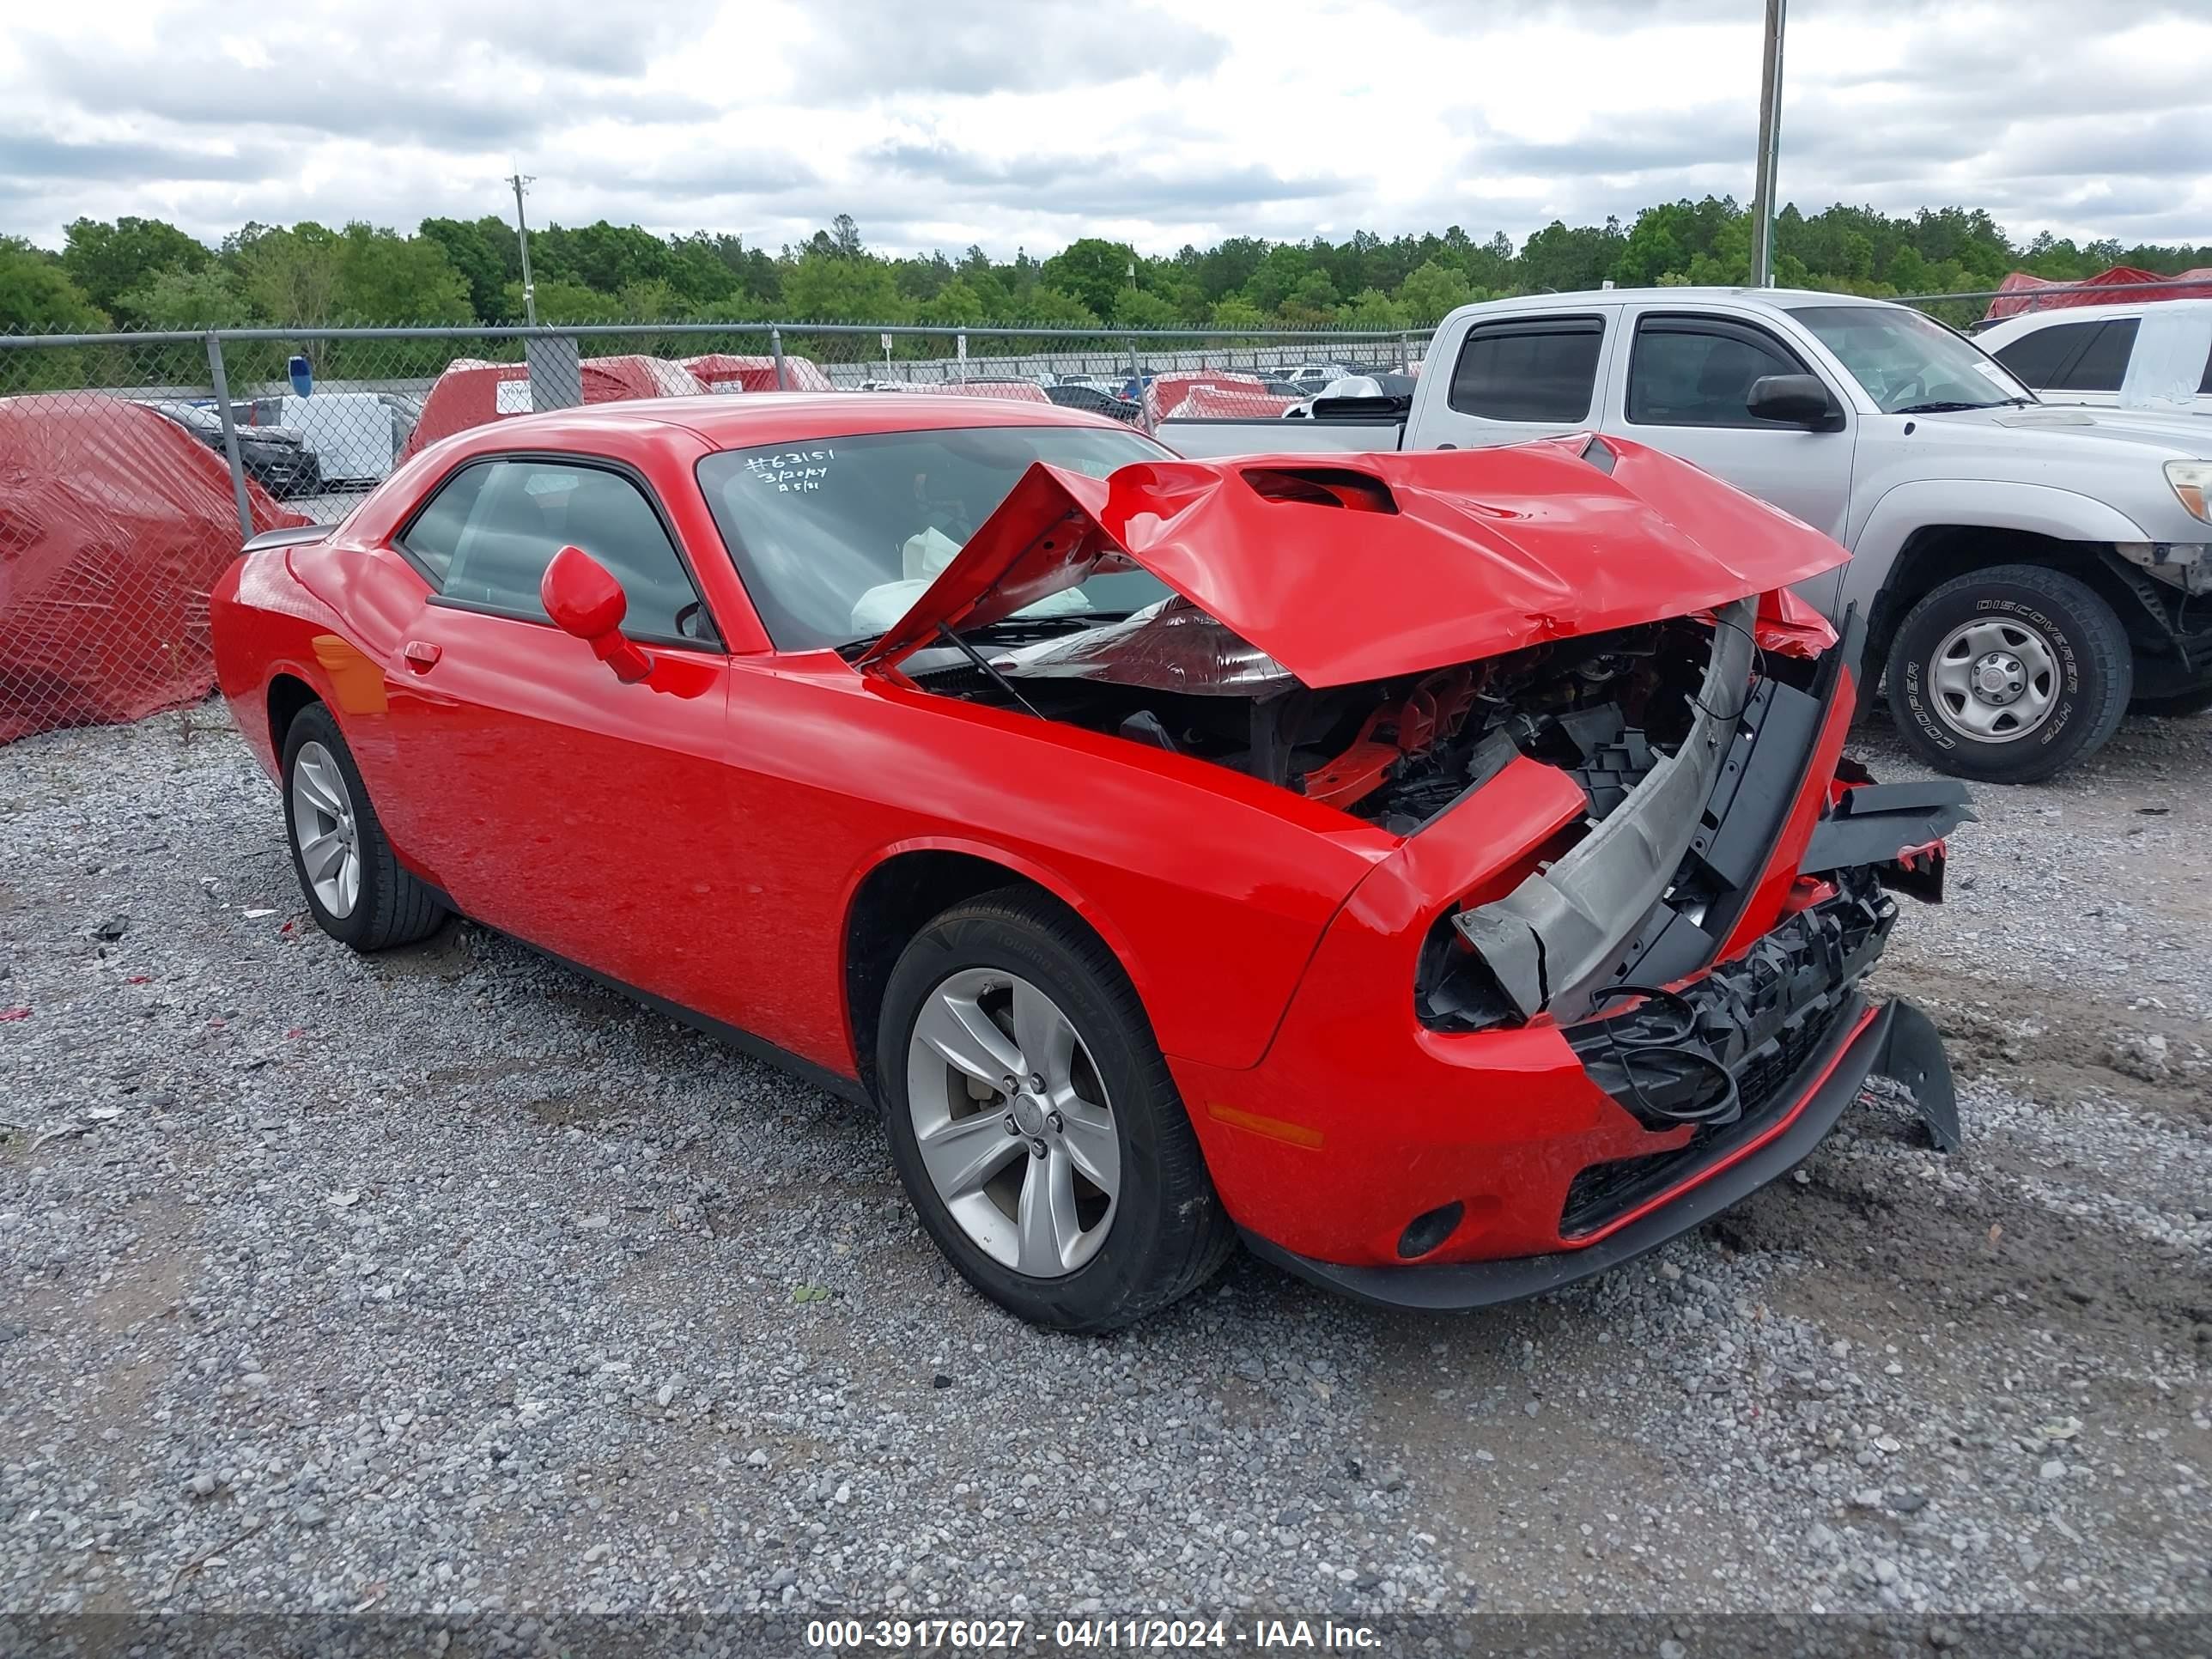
pixel 584 599
pixel 1794 400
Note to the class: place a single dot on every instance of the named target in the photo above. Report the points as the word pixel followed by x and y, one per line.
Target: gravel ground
pixel 446 1281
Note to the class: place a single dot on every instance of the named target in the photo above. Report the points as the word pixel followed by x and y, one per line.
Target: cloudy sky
pixel 940 122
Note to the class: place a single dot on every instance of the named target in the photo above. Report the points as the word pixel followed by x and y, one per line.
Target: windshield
pixel 1908 363
pixel 836 538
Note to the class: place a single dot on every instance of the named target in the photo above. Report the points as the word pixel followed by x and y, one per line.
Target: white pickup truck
pixel 2025 570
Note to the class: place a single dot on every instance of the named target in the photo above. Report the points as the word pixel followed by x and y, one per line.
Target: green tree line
pixel 146 274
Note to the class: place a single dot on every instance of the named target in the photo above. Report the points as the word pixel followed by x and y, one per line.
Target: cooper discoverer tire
pixel 2008 674
pixel 1150 1229
pixel 357 892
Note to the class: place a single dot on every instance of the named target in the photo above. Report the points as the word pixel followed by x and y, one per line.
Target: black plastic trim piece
pixel 1872 823
pixel 1899 1036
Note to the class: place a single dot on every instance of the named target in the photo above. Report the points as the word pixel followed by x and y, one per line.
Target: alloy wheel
pixel 1012 1121
pixel 324 828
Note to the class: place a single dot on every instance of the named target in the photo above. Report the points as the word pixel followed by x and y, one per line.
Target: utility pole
pixel 1770 131
pixel 522 232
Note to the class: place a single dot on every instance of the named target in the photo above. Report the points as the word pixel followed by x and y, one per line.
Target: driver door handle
pixel 420 655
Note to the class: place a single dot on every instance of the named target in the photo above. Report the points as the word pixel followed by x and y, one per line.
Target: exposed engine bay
pixel 1395 752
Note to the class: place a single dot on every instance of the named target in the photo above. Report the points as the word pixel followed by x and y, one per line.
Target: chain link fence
pixel 131 465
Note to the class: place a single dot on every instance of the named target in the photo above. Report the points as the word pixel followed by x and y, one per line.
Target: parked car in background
pixel 2024 570
pixel 724 371
pixel 472 392
pixel 115 522
pixel 274 457
pixel 1092 399
pixel 2154 355
pixel 1009 730
pixel 354 436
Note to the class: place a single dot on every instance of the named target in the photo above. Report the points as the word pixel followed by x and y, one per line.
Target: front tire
pixel 2008 674
pixel 354 888
pixel 1035 1124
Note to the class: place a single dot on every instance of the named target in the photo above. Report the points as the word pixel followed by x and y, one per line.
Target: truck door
pixel 1686 389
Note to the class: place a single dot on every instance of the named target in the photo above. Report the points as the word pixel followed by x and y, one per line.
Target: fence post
pixel 1136 374
pixel 775 350
pixel 230 436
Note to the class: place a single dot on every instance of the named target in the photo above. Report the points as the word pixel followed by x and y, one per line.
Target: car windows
pixel 2091 357
pixel 2037 358
pixel 487 536
pixel 2102 363
pixel 1690 373
pixel 2205 385
pixel 1529 371
pixel 437 528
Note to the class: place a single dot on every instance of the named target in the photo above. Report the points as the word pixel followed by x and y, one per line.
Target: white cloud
pixel 1163 121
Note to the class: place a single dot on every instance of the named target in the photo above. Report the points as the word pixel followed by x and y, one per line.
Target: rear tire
pixel 1162 1233
pixel 378 904
pixel 2008 674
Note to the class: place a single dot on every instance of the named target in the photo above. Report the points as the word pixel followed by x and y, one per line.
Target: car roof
pixel 2085 314
pixel 771 417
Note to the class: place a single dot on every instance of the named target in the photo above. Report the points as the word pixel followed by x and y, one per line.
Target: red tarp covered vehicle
pixel 114 522
pixel 1229 394
pixel 724 371
pixel 2022 292
pixel 1236 402
pixel 469 393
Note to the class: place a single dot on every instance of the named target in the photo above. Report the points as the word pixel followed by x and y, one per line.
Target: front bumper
pixel 1895 1041
pixel 1460 1138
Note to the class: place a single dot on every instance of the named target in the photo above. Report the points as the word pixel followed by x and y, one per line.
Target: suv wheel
pixel 2008 674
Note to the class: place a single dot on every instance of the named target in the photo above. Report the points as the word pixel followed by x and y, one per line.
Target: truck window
pixel 1696 372
pixel 2102 363
pixel 2036 358
pixel 1531 370
pixel 2091 357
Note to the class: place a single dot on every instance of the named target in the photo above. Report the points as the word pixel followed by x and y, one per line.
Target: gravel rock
pixel 488 1404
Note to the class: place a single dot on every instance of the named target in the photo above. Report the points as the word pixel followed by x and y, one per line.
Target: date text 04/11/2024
pixel 903 1634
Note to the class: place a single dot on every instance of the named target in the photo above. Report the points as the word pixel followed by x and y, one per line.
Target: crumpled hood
pixel 1351 567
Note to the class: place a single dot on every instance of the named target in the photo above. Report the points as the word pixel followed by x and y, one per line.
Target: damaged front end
pixel 1635 888
pixel 1695 858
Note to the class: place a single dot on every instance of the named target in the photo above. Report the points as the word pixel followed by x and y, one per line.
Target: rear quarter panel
pixel 264 624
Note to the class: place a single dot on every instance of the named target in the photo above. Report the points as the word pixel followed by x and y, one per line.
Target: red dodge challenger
pixel 1438 871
